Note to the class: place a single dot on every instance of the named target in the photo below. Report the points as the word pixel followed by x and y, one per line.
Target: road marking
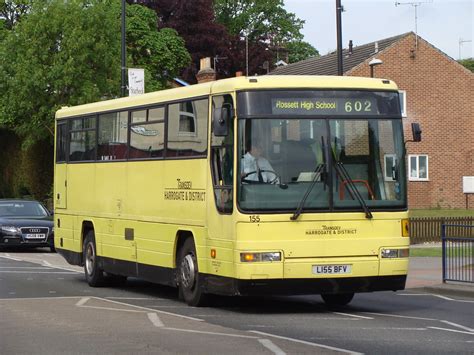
pixel 136 298
pixel 399 316
pixel 435 295
pixel 115 309
pixel 457 325
pixel 352 315
pixel 153 317
pixel 52 292
pixel 305 342
pixel 212 333
pixel 272 347
pixel 26 267
pixel 82 301
pixel 7 256
pixel 150 309
pixel 36 272
pixel 452 330
pixel 38 298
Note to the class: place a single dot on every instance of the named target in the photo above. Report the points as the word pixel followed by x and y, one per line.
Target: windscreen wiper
pixel 317 172
pixel 353 191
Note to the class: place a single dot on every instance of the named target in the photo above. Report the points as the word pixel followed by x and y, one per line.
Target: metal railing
pixel 428 229
pixel 458 255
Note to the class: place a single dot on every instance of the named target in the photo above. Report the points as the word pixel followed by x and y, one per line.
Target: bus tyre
pixel 94 274
pixel 189 281
pixel 341 299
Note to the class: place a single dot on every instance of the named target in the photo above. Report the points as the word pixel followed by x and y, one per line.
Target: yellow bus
pixel 243 186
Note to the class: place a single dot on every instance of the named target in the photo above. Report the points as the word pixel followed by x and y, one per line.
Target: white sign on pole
pixel 136 81
pixel 468 184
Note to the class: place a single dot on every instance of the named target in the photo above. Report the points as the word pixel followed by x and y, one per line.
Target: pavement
pixel 426 274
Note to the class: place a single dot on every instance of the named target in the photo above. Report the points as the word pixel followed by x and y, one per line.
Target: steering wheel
pixel 272 181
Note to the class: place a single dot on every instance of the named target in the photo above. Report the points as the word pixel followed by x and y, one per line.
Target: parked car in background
pixel 25 223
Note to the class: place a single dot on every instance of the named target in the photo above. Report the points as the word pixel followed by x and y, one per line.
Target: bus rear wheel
pixel 94 274
pixel 189 280
pixel 340 299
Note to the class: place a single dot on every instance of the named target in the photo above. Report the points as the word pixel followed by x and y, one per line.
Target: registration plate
pixel 331 269
pixel 35 236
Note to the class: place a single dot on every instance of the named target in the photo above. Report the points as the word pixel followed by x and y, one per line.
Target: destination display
pixel 317 103
pixel 329 106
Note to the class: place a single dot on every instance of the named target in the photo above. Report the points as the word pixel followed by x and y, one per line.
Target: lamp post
pixel 339 10
pixel 372 64
pixel 124 64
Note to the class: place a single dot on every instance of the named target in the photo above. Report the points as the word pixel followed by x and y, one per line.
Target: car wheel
pixel 94 274
pixel 189 280
pixel 340 299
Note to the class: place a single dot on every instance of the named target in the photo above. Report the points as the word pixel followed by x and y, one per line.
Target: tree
pixel 68 53
pixel 195 22
pixel 268 23
pixel 468 63
pixel 161 53
pixel 12 11
pixel 300 50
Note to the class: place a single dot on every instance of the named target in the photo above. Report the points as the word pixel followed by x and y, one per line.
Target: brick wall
pixel 440 96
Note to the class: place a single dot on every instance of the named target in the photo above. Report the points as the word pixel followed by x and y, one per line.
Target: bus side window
pixel 222 160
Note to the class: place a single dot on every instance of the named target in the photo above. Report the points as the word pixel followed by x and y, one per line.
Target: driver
pixel 255 167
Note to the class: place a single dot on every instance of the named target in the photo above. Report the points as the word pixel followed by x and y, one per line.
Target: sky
pixel 441 22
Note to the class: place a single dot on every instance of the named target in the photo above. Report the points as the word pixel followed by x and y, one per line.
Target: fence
pixel 458 255
pixel 426 230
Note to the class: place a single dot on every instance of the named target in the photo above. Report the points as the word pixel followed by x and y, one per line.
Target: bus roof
pixel 230 85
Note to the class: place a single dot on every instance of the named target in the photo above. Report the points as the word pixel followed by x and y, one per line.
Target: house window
pixel 418 167
pixel 403 102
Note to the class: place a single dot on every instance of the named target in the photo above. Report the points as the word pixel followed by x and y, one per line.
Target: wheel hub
pixel 90 259
pixel 188 271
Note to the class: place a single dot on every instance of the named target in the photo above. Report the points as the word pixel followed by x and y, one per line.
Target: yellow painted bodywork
pixel 115 196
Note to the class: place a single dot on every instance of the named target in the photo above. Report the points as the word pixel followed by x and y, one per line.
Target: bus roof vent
pixel 253 80
pixel 386 81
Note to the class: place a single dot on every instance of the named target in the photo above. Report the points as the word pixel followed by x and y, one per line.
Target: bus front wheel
pixel 189 281
pixel 94 274
pixel 340 299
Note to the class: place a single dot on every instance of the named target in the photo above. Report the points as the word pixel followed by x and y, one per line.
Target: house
pixel 438 93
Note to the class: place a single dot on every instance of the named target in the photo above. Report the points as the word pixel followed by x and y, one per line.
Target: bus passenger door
pixel 221 166
pixel 60 173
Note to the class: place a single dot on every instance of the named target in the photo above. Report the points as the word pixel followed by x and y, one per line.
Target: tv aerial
pixel 415 4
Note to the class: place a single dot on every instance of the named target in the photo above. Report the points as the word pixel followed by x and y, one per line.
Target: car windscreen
pixel 22 209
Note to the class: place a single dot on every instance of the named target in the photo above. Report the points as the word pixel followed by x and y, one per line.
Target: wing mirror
pixel 416 131
pixel 222 118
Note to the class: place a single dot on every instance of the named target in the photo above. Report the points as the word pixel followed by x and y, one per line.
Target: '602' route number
pixel 254 218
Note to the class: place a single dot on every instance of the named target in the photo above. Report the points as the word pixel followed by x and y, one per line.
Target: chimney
pixel 206 73
pixel 239 73
pixel 350 47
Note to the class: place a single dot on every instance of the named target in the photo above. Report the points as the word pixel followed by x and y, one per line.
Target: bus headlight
pixel 260 257
pixel 395 253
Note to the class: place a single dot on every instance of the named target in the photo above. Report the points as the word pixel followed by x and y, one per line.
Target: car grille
pixel 34 234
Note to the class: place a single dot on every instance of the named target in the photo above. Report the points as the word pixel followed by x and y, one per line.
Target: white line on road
pixel 135 298
pixel 452 330
pixel 272 347
pixel 82 301
pixel 457 325
pixel 26 267
pixel 352 315
pixel 36 272
pixel 435 295
pixel 305 342
pixel 7 256
pixel 212 333
pixel 399 316
pixel 149 309
pixel 153 317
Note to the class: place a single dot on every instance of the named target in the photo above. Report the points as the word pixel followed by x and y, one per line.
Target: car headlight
pixel 10 230
pixel 259 257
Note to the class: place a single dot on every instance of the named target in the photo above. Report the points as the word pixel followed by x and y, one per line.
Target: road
pixel 47 307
